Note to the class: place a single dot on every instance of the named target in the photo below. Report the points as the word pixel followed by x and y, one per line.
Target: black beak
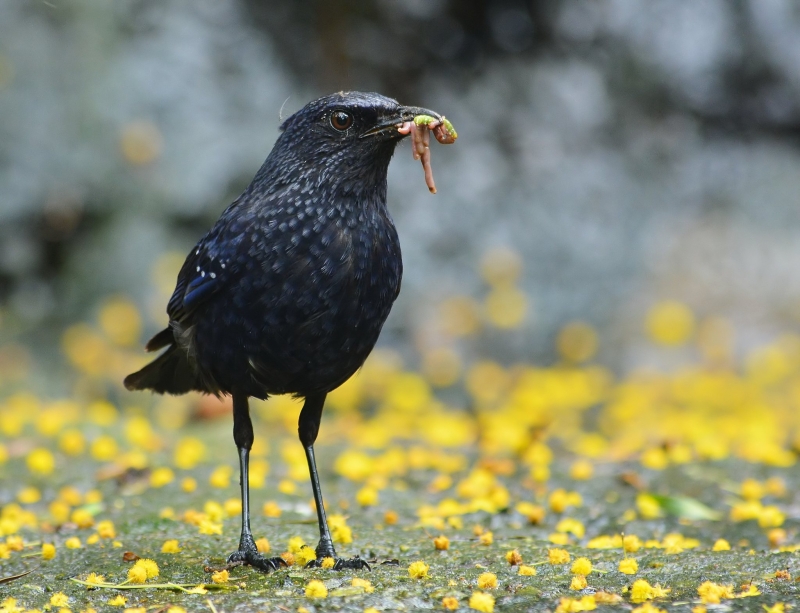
pixel 396 119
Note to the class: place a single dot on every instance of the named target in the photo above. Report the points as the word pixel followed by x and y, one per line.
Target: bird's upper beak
pixel 395 120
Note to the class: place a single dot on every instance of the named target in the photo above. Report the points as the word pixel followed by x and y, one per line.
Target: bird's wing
pixel 203 274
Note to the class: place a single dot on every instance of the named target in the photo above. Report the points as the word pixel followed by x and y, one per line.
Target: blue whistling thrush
pixel 288 292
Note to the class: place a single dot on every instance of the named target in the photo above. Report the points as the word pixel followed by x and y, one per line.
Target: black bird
pixel 288 291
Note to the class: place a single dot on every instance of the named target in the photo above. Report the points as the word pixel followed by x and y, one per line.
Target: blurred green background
pixel 612 155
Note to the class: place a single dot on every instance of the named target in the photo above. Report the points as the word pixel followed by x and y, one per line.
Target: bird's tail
pixel 169 373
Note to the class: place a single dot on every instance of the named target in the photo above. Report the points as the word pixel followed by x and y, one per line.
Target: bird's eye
pixel 341 120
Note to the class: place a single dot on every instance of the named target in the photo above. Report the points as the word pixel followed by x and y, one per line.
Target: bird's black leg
pixel 308 428
pixel 243 437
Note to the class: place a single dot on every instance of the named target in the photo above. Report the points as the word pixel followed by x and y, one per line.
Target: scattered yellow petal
pixel 629 566
pixel 576 605
pixel 558 556
pixel 487 581
pixel 118 601
pixel 271 509
pixel 441 543
pixel 149 566
pixel 721 545
pixel 106 529
pixel 578 583
pixel 137 574
pixel 316 589
pixel 514 558
pixel 364 584
pixel 221 576
pixel 41 461
pixel 481 601
pixel 367 496
pixel 59 599
pixel 161 476
pixel 48 551
pixel 418 570
pixel 170 546
pixel 305 555
pixel 641 590
pixel 527 571
pixel 451 603
pixel 581 566
pixel 95 579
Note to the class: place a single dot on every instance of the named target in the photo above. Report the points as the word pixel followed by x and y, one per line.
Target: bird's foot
pixel 256 560
pixel 248 554
pixel 325 551
pixel 354 563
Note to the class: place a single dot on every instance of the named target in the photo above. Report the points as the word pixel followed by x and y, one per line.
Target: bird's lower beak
pixel 397 119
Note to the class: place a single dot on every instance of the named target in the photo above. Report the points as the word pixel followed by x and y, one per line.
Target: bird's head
pixel 352 135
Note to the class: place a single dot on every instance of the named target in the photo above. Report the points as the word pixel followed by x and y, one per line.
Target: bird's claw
pixel 354 563
pixel 256 560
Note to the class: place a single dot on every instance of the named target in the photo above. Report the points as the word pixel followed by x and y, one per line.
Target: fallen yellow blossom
pixel 48 551
pixel 363 584
pixel 418 570
pixel 631 543
pixel 713 593
pixel 607 598
pixel 59 599
pixel 481 601
pixel 316 589
pixel 41 461
pixel 487 581
pixel 305 555
pixel 451 604
pixel 367 496
pixel 441 542
pixel 572 526
pixel 750 590
pixel 581 566
pixel 137 574
pixel 641 590
pixel 150 567
pixel 17 543
pixel 721 545
pixel 576 605
pixel 106 529
pixel 581 470
pixel 73 542
pixel 514 558
pixel 628 566
pixel 578 582
pixel 558 556
pixel 221 576
pixel 170 546
pixel 527 571
pixel 161 476
pixel 95 579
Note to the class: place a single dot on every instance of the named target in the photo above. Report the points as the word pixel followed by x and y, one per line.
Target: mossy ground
pixel 698 461
pixel 136 510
